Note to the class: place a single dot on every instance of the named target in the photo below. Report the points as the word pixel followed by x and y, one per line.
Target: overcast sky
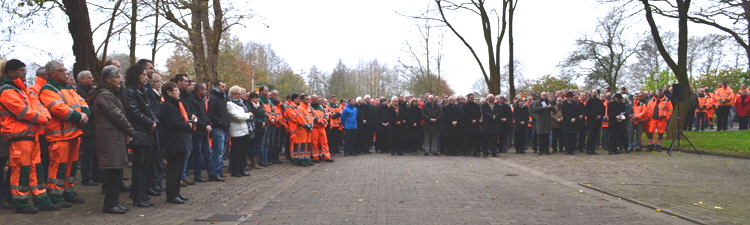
pixel 308 33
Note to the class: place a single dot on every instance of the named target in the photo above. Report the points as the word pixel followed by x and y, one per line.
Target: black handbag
pixel 142 139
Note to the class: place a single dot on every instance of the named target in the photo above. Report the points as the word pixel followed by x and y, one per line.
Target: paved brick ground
pixel 384 189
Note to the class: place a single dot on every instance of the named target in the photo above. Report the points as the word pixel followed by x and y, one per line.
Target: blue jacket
pixel 349 117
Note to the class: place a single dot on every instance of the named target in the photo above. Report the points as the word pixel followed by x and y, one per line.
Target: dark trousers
pixel 350 141
pixel 722 118
pixel 593 138
pixel 581 143
pixel 334 139
pixel 743 122
pixel 470 144
pixel 112 187
pixel 502 143
pixel 274 144
pixel 158 166
pixel 617 139
pixel 142 169
pixel 382 140
pixel 201 156
pixel 689 119
pixel 175 162
pixel 451 144
pixel 490 143
pixel 543 143
pixel 702 123
pixel 238 154
pixel 365 140
pixel 570 143
pixel 605 137
pixel 558 139
pixel 519 139
pixel 4 181
pixel 89 164
pixel 44 152
pixel 397 142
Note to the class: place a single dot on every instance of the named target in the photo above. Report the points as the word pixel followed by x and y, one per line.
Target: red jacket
pixel 742 105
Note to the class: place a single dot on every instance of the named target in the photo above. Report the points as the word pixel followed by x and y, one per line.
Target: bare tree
pixel 602 57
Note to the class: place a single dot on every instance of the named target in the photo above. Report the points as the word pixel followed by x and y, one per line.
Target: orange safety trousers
pixel 63 163
pixel 320 144
pixel 27 175
pixel 305 141
pixel 294 143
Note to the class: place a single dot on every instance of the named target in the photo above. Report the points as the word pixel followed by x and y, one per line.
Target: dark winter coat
pixel 594 108
pixel 83 91
pixel 507 114
pixel 398 123
pixel 217 111
pixel 431 111
pixel 471 111
pixel 176 136
pixel 614 109
pixel 543 122
pixel 451 113
pixel 112 128
pixel 570 110
pixel 414 116
pixel 199 108
pixel 521 114
pixel 140 116
pixel 365 116
pixel 490 125
pixel 380 117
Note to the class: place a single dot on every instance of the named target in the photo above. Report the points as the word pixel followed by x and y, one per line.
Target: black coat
pixel 176 136
pixel 414 116
pixel 507 114
pixel 489 125
pixel 88 128
pixel 217 111
pixel 396 130
pixel 594 108
pixel 140 115
pixel 571 110
pixel 431 111
pixel 451 113
pixel 614 109
pixel 259 116
pixel 521 116
pixel 199 108
pixel 153 99
pixel 365 112
pixel 381 116
pixel 471 111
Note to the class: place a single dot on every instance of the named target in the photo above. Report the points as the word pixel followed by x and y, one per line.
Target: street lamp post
pixel 656 82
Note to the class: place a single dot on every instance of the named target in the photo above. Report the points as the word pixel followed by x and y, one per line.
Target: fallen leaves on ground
pixel 657 210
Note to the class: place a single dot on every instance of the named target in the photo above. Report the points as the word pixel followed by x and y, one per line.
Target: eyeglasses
pixel 60 71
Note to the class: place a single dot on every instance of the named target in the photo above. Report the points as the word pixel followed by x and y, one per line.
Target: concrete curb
pixel 646 205
pixel 691 151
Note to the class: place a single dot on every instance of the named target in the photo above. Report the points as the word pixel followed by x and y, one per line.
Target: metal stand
pixel 678 134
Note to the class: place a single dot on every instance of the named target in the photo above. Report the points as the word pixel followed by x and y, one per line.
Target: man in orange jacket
pixel 304 122
pixel 290 113
pixel 41 80
pixel 724 98
pixel 320 149
pixel 639 118
pixel 659 109
pixel 69 112
pixel 335 130
pixel 705 104
pixel 22 117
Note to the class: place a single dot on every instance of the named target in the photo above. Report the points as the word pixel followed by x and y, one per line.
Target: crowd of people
pixel 52 125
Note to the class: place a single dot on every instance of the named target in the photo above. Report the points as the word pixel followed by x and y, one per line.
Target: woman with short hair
pixel 241 129
pixel 176 139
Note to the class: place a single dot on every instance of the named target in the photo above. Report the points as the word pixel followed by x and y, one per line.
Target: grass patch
pixel 724 142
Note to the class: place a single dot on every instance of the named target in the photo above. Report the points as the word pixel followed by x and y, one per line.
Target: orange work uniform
pixel 660 111
pixel 22 117
pixel 304 121
pixel 290 112
pixel 320 150
pixel 66 108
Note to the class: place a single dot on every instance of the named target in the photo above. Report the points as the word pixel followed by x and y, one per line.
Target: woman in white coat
pixel 241 129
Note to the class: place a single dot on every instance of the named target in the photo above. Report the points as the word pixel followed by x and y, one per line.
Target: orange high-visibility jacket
pixel 277 116
pixel 22 116
pixel 304 116
pixel 319 114
pixel 705 104
pixel 665 108
pixel 724 94
pixel 605 123
pixel 66 107
pixel 639 112
pixel 290 112
pixel 34 91
pixel 333 109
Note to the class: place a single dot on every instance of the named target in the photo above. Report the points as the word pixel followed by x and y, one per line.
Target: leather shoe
pixel 183 184
pixel 188 182
pixel 316 161
pixel 244 174
pixel 89 183
pixel 183 197
pixel 236 174
pixel 152 192
pixel 64 204
pixel 124 188
pixel 140 203
pixel 114 210
pixel 160 188
pixel 224 175
pixel 76 201
pixel 123 208
pixel 50 207
pixel 6 205
pixel 27 210
pixel 156 188
pixel 199 179
pixel 175 200
pixel 215 178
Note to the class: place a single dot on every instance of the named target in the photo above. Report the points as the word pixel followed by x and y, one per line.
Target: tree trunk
pixel 79 26
pixel 133 19
pixel 511 64
pixel 156 32
pixel 196 41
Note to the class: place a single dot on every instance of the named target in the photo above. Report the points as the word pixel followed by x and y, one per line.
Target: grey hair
pixel 41 70
pixel 52 65
pixel 107 73
pixel 394 98
pixel 83 73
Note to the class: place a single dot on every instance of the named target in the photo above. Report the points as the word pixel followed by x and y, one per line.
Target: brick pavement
pixel 452 190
